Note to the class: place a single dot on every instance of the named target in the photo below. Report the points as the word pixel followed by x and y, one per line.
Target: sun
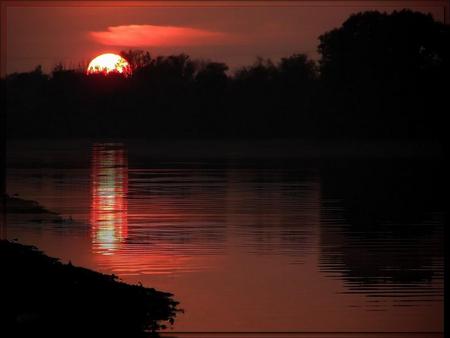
pixel 109 63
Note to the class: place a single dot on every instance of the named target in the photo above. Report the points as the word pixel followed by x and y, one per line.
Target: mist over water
pixel 267 243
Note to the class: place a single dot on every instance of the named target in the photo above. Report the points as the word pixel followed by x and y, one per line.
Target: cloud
pixel 161 36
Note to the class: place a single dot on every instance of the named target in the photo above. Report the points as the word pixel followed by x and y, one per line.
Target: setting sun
pixel 107 63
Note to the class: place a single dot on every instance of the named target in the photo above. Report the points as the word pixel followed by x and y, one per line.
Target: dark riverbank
pixel 41 295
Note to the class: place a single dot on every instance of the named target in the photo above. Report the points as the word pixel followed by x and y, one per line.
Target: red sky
pixel 233 32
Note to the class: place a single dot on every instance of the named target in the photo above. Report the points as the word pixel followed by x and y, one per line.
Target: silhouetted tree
pixel 383 74
pixel 297 71
pixel 211 100
pixel 380 75
pixel 212 75
pixel 253 96
pixel 138 59
pixel 26 95
pixel 297 82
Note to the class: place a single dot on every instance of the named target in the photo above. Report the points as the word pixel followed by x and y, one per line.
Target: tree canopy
pixel 386 72
pixel 379 75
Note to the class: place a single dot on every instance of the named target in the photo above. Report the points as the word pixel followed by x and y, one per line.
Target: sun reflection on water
pixel 123 231
pixel 109 209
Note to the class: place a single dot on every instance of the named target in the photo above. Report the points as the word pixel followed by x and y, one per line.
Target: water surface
pixel 273 242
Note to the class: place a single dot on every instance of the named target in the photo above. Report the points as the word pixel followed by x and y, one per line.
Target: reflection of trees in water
pixel 178 206
pixel 382 228
pixel 274 209
pixel 266 207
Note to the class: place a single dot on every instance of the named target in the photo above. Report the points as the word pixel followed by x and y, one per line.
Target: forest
pixel 378 76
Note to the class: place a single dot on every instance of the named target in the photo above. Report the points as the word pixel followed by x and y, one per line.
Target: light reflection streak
pixel 116 231
pixel 109 208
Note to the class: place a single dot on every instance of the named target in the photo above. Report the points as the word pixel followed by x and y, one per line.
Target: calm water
pixel 269 242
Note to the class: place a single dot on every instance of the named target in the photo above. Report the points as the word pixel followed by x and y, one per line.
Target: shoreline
pixel 43 295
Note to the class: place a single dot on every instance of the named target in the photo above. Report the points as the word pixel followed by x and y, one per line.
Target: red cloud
pixel 149 35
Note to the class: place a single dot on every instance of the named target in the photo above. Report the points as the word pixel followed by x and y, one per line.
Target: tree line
pixel 379 75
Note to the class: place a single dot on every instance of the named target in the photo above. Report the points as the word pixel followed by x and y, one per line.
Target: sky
pixel 73 33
